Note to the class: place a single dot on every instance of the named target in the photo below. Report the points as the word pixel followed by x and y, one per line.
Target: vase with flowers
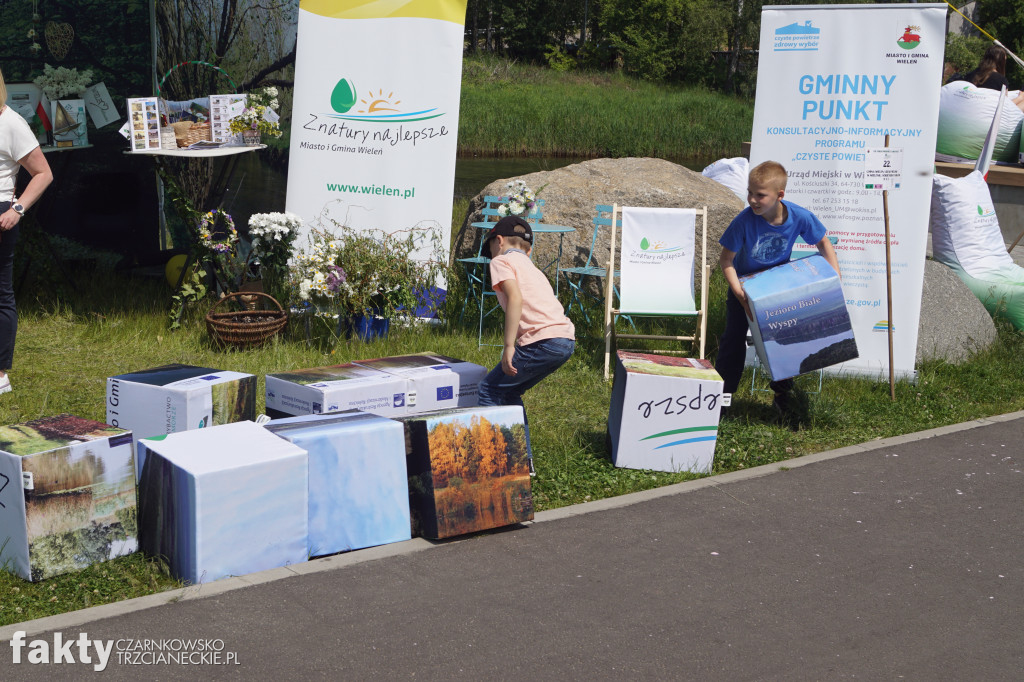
pixel 356 277
pixel 519 201
pixel 273 235
pixel 258 118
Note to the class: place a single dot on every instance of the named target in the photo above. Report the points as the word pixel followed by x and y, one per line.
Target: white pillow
pixel 964 226
pixel 965 115
pixel 733 173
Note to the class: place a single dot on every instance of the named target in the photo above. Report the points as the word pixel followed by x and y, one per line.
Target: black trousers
pixel 732 349
pixel 8 310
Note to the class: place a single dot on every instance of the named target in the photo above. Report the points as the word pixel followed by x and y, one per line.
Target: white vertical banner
pixel 832 81
pixel 376 114
pixel 657 247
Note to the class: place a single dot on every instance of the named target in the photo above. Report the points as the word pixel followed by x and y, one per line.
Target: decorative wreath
pixel 206 228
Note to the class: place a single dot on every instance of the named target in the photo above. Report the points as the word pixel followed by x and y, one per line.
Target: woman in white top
pixel 18 149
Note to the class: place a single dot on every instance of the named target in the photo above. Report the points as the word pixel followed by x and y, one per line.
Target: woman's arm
pixel 35 163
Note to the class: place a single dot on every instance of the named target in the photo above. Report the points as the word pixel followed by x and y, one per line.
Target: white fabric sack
pixel 964 226
pixel 733 173
pixel 965 115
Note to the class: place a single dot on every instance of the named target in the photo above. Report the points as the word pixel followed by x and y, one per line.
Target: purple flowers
pixel 335 278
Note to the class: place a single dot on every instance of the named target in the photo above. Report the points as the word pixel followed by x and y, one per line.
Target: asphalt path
pixel 896 559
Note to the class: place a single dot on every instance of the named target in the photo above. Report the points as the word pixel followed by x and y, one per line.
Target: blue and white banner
pixel 832 82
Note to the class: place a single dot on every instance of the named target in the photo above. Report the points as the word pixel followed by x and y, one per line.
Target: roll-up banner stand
pixel 376 115
pixel 832 81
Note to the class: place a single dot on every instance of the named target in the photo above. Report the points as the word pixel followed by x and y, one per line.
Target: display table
pixel 200 153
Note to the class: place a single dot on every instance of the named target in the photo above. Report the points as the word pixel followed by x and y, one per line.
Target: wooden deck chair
pixel 658 267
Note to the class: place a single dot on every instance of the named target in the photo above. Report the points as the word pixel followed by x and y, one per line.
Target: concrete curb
pixel 81 617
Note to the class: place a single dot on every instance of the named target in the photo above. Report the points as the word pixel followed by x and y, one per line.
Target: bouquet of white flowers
pixel 520 201
pixel 272 237
pixel 60 82
pixel 259 114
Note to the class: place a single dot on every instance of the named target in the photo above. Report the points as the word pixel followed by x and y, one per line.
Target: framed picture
pixel 27 100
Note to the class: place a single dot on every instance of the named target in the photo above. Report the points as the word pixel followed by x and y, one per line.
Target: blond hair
pixel 769 172
pixel 518 243
pixel 3 89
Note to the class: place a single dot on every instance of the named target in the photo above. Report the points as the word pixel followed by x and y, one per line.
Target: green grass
pixel 67 347
pixel 509 109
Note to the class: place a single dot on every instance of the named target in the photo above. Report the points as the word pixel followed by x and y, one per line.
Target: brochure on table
pixel 222 109
pixel 144 123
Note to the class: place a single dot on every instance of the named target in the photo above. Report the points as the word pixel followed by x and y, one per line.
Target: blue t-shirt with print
pixel 760 245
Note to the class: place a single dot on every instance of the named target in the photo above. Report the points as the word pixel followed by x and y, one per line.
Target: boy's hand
pixel 746 305
pixel 506 361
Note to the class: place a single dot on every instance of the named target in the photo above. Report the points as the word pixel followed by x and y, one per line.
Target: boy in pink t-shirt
pixel 539 338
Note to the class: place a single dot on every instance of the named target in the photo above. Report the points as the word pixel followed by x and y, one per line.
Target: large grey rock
pixel 570 194
pixel 954 324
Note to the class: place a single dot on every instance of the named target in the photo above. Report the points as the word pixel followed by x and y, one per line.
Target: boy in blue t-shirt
pixel 760 237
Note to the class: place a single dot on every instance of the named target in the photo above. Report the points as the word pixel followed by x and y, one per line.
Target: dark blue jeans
pixel 533 362
pixel 8 311
pixel 732 349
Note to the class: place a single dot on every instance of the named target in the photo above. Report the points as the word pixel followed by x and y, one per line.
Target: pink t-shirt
pixel 543 316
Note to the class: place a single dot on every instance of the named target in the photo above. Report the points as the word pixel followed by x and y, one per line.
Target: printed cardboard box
pixel 227 500
pixel 436 382
pixel 390 387
pixel 67 495
pixel 175 398
pixel 800 319
pixel 467 470
pixel 664 413
pixel 358 485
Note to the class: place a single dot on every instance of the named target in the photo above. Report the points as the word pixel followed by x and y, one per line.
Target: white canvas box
pixel 67 495
pixel 800 319
pixel 358 484
pixel 391 387
pixel 333 389
pixel 227 500
pixel 436 382
pixel 177 397
pixel 664 413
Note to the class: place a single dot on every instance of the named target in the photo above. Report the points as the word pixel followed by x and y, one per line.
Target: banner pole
pixel 888 287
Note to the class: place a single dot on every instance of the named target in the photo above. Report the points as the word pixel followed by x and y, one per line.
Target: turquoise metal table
pixel 477 267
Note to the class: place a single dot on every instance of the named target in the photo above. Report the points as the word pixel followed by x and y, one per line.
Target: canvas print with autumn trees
pixel 468 470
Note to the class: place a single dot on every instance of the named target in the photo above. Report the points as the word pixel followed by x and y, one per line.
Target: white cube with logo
pixel 223 501
pixel 173 398
pixel 664 413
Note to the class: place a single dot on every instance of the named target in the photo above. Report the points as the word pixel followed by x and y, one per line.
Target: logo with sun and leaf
pixel 648 246
pixel 376 106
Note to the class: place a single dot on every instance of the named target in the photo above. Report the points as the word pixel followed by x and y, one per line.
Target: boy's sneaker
pixel 791 407
pixel 5 384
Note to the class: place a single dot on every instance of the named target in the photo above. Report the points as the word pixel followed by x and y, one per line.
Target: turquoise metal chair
pixel 477 267
pixel 581 296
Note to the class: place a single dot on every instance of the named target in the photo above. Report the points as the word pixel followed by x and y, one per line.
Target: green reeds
pixel 523 110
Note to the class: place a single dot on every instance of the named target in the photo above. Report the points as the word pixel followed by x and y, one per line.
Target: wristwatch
pixel 19 209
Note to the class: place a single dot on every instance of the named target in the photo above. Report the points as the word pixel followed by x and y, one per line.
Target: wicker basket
pixel 247 327
pixel 187 133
